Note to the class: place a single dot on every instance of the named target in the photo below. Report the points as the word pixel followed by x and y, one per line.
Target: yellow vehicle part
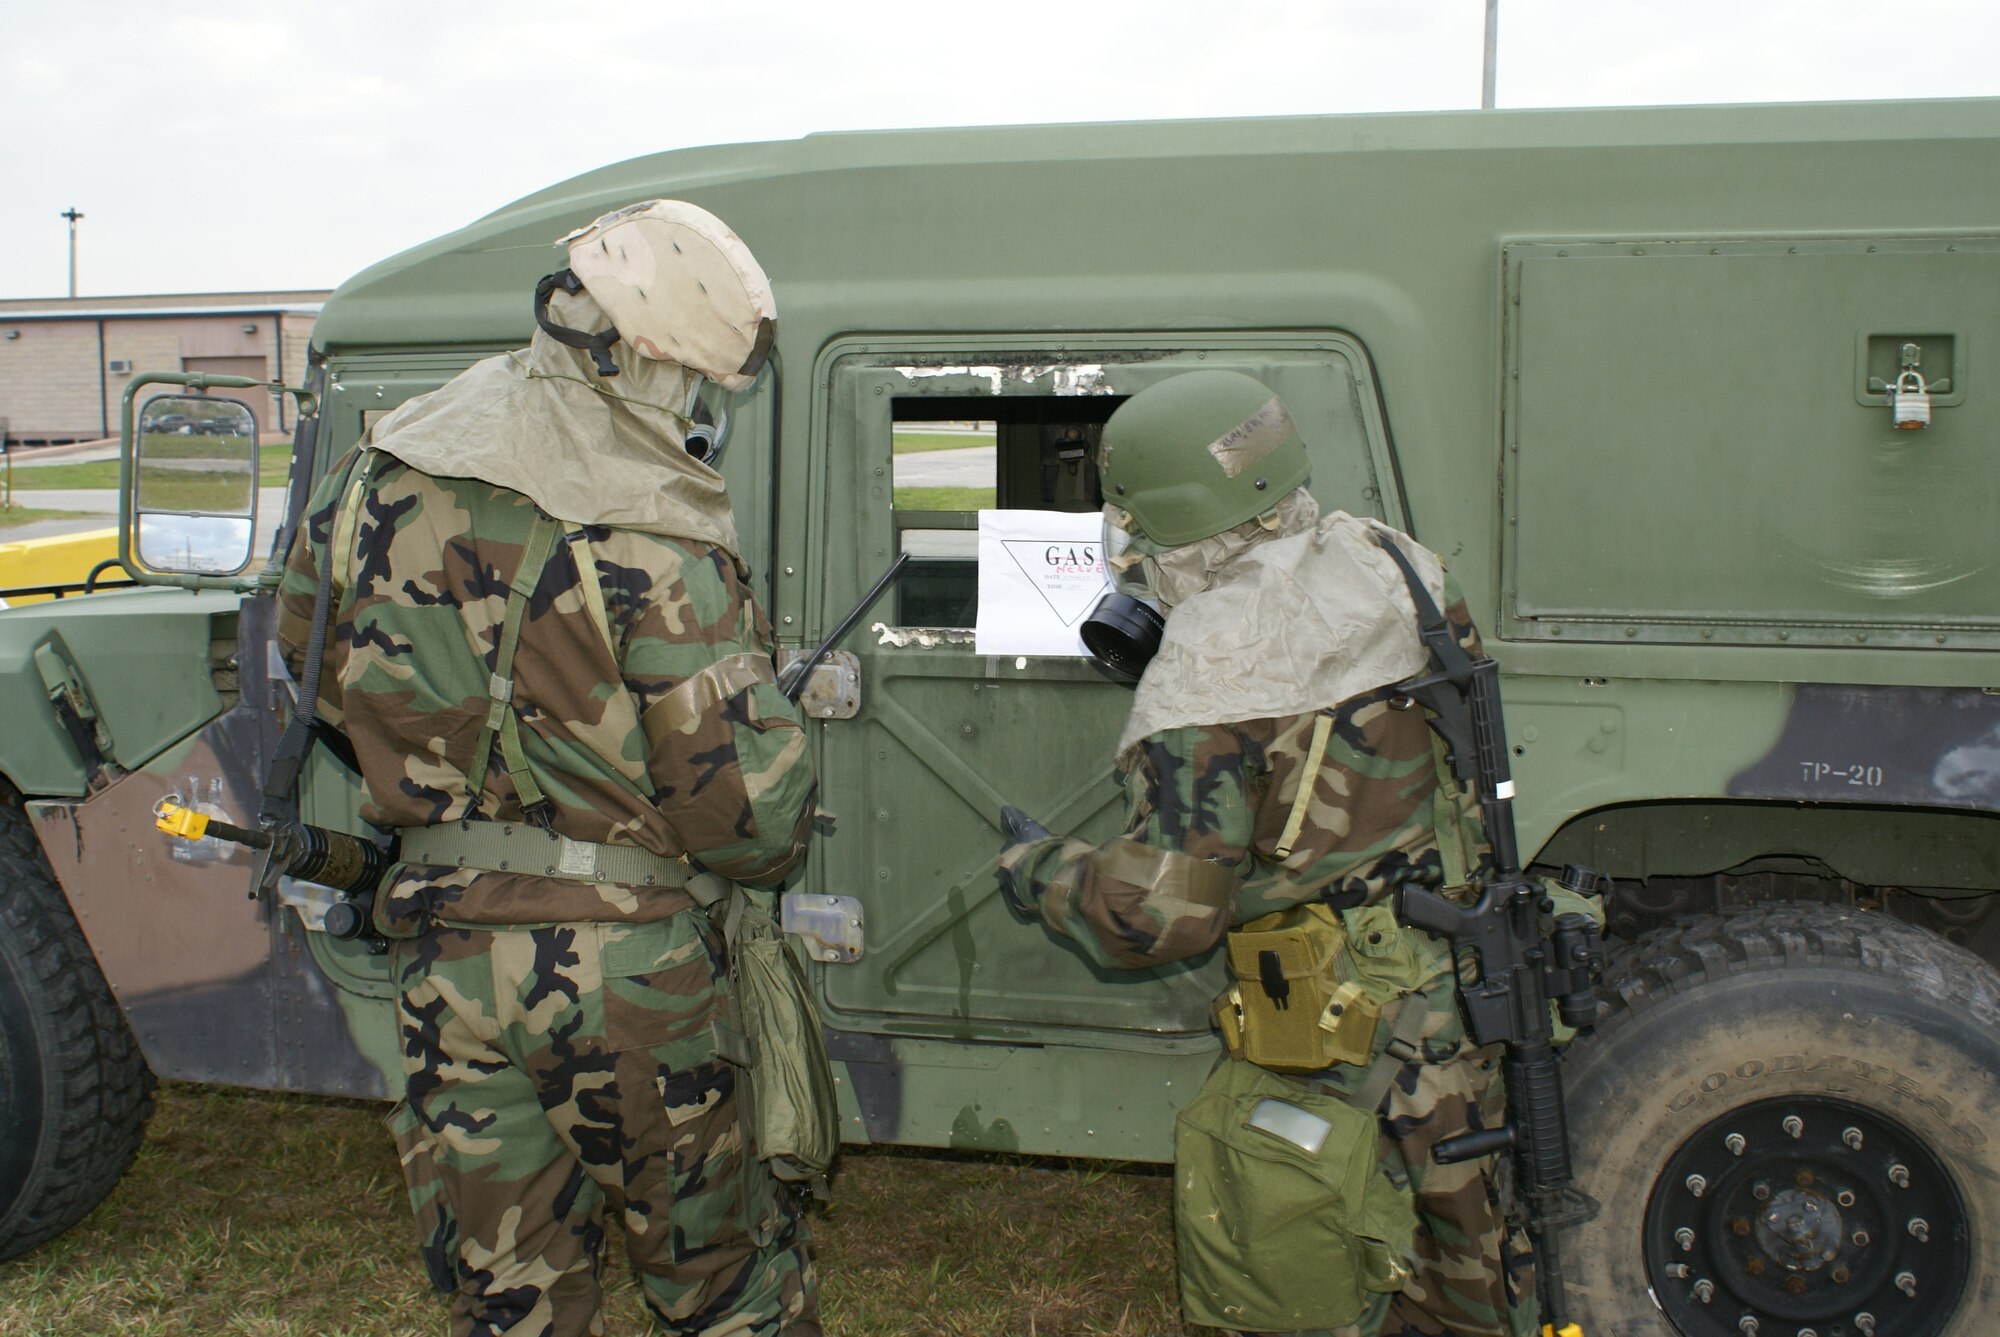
pixel 175 820
pixel 63 559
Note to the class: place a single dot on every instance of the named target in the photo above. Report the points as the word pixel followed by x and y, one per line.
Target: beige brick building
pixel 65 362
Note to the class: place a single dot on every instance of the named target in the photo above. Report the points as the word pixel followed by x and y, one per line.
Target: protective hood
pixel 585 449
pixel 1286 621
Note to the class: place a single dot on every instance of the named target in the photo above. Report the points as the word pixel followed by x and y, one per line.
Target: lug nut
pixel 1860 1238
pixel 1697 1185
pixel 1906 1282
pixel 1739 1226
pixel 1678 1271
pixel 1852 1137
pixel 1899 1175
pixel 1704 1290
pixel 1795 1285
pixel 1804 1179
pixel 1736 1144
pixel 1807 1332
pixel 1685 1238
pixel 1747 1325
pixel 1754 1266
pixel 1794 1126
pixel 1920 1229
pixel 1761 1191
pixel 1845 1197
pixel 1840 1275
pixel 1864 1323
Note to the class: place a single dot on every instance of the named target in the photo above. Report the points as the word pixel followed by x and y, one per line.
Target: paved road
pixel 100 511
pixel 971 467
pixel 83 452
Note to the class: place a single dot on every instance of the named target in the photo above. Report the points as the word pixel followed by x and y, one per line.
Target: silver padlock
pixel 1910 401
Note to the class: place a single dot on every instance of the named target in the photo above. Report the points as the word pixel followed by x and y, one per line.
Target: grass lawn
pixel 944 499
pixel 903 442
pixel 273 464
pixel 283 1216
pixel 27 515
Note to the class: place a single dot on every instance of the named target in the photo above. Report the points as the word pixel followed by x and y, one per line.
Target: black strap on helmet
pixel 598 345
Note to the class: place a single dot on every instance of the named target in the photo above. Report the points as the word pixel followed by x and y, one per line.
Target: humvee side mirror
pixel 187 479
pixel 194 486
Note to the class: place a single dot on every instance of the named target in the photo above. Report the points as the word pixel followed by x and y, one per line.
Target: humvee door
pixel 917 439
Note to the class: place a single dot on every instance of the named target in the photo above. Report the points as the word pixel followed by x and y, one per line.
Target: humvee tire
pixel 74 1090
pixel 1793 1112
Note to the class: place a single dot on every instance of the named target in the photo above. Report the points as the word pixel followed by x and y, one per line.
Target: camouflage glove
pixel 1020 832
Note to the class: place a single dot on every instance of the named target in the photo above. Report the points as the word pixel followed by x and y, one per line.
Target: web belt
pixel 522 847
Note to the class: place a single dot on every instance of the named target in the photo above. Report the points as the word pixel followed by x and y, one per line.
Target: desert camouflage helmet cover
pixel 680 287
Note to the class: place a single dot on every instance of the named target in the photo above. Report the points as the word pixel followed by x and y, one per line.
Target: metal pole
pixel 72 215
pixel 1492 55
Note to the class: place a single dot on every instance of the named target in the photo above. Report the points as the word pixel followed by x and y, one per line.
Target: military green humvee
pixel 1636 374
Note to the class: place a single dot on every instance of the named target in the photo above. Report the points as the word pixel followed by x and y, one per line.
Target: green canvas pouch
pixel 795 1120
pixel 1283 1218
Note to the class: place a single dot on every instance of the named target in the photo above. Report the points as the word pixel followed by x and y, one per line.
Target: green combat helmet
pixel 1201 452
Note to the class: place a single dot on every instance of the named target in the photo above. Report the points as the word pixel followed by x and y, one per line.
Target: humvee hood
pixel 586 449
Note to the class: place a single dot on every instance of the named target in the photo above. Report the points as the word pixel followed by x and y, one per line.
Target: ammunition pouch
pixel 1283 1217
pixel 1312 984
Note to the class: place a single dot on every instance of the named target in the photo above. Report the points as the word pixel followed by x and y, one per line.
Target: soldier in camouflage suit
pixel 1212 781
pixel 560 1033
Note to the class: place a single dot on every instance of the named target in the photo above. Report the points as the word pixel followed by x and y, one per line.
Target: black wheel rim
pixel 1806 1217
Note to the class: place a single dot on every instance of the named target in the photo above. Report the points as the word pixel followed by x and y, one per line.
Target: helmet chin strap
pixel 598 345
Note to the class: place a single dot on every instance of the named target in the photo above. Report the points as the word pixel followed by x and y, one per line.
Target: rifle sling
pixel 281 779
pixel 1432 628
pixel 1405 1045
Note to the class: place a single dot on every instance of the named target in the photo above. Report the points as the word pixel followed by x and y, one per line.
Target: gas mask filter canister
pixel 1123 631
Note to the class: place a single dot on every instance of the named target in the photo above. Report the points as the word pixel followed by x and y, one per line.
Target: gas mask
pixel 1123 631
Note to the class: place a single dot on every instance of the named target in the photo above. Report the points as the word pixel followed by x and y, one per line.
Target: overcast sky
pixel 217 146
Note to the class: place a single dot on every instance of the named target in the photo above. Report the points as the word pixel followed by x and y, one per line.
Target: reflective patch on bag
pixel 1302 1128
pixel 1282 1215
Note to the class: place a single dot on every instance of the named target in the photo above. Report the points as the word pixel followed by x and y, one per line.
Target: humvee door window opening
pixel 953 456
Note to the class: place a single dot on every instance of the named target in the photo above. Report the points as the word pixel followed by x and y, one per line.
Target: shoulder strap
pixel 593 593
pixel 502 720
pixel 1308 779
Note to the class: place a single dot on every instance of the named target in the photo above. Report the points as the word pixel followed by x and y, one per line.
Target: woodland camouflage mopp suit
pixel 546 657
pixel 1283 632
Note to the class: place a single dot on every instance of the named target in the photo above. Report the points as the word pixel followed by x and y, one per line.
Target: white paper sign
pixel 1040 573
